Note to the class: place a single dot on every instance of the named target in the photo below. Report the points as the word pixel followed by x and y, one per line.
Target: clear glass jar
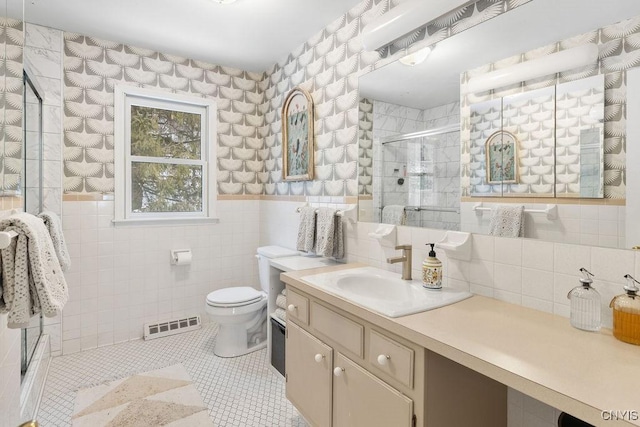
pixel 626 313
pixel 585 305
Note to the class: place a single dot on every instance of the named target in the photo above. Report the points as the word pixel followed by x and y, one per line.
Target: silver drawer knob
pixel 383 359
pixel 338 371
pixel 291 308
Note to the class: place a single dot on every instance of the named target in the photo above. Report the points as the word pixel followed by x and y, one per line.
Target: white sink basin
pixel 383 291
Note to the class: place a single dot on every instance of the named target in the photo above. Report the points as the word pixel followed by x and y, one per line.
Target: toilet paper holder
pixel 175 255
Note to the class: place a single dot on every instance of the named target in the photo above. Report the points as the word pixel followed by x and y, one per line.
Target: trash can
pixel 566 420
pixel 277 345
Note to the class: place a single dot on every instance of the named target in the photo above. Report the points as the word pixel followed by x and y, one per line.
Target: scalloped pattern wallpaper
pixel 12 41
pixel 249 104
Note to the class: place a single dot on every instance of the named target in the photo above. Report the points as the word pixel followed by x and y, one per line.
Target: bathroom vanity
pixel 350 366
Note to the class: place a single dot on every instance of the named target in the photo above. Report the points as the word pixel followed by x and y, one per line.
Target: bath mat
pixel 164 397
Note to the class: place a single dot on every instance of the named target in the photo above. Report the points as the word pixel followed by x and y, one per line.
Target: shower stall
pixel 421 171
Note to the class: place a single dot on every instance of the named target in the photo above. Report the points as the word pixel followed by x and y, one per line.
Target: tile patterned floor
pixel 241 391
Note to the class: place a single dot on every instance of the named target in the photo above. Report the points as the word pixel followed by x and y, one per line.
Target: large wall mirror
pixel 448 151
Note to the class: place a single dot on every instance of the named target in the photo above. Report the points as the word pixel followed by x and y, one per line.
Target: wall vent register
pixel 171 327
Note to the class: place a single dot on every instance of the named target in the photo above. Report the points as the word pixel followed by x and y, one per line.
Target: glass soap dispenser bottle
pixel 432 270
pixel 626 313
pixel 585 304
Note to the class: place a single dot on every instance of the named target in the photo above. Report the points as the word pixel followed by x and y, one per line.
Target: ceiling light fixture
pixel 403 19
pixel 558 62
pixel 224 1
pixel 416 57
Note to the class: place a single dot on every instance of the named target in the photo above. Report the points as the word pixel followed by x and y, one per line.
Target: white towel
pixel 54 225
pixel 325 231
pixel 32 279
pixel 507 221
pixel 394 214
pixel 281 301
pixel 281 314
pixel 306 229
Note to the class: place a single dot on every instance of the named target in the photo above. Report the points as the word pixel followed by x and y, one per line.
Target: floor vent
pixel 171 327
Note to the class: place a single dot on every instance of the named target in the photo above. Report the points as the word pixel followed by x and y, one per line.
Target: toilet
pixel 241 312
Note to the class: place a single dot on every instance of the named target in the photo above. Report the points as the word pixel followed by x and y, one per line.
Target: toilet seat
pixel 234 297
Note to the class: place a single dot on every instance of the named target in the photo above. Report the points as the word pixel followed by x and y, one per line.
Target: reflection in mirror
pixel 569 126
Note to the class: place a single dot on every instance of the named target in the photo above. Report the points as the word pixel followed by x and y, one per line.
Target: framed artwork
pixel 297 136
pixel 501 151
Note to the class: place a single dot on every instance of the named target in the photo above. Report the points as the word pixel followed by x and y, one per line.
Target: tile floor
pixel 241 391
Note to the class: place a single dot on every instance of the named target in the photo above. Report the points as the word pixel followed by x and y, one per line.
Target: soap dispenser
pixel 626 313
pixel 585 304
pixel 432 270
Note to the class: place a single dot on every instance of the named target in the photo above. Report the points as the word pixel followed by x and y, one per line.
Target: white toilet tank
pixel 267 274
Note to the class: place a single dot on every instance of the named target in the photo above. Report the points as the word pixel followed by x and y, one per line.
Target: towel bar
pixel 550 210
pixel 5 238
pixel 348 214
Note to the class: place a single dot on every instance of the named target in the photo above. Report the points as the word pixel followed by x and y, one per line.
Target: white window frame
pixel 125 97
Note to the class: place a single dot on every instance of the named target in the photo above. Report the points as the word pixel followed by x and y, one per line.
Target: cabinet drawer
pixel 297 306
pixel 338 328
pixel 391 358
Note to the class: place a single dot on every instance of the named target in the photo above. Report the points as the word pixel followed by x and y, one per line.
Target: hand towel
pixel 338 240
pixel 394 214
pixel 54 225
pixel 281 314
pixel 325 231
pixel 507 221
pixel 284 292
pixel 306 229
pixel 281 301
pixel 31 275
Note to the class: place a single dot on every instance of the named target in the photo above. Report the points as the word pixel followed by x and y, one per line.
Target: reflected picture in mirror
pixel 569 126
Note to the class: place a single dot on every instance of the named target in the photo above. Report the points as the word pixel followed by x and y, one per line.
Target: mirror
pixel 567 129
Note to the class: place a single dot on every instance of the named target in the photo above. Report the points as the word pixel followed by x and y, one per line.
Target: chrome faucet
pixel 405 259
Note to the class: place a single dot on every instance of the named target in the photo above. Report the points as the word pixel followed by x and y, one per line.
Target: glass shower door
pixel 31 183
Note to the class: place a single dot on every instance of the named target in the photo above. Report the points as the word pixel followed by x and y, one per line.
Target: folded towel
pixel 284 292
pixel 54 225
pixel 394 214
pixel 281 314
pixel 325 231
pixel 32 279
pixel 281 301
pixel 306 229
pixel 507 221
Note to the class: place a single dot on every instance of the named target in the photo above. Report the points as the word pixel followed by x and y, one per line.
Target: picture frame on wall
pixel 297 136
pixel 501 151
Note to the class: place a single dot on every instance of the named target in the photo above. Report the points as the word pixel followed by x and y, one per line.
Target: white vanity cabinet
pixel 344 371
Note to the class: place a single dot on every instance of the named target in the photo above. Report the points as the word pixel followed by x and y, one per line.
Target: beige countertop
pixel 539 354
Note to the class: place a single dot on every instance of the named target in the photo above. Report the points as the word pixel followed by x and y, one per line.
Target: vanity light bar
pixel 405 18
pixel 565 60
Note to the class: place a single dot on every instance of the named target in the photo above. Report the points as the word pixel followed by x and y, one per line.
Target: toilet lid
pixel 233 297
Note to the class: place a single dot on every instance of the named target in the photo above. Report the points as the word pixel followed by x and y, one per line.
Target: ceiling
pixel 249 34
pixel 538 23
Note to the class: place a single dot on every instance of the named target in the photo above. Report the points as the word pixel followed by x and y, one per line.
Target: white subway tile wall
pixel 121 277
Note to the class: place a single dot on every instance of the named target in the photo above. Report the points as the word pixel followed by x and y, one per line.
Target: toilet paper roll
pixel 183 258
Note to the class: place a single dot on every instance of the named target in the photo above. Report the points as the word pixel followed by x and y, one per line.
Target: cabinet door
pixel 362 400
pixel 308 367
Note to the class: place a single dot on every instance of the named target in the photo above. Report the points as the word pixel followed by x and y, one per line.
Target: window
pixel 164 156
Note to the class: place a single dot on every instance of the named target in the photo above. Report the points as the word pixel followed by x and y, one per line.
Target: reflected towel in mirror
pixel 507 221
pixel 394 214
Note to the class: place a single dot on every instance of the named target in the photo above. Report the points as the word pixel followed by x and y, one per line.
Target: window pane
pixel 158 187
pixel 165 133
